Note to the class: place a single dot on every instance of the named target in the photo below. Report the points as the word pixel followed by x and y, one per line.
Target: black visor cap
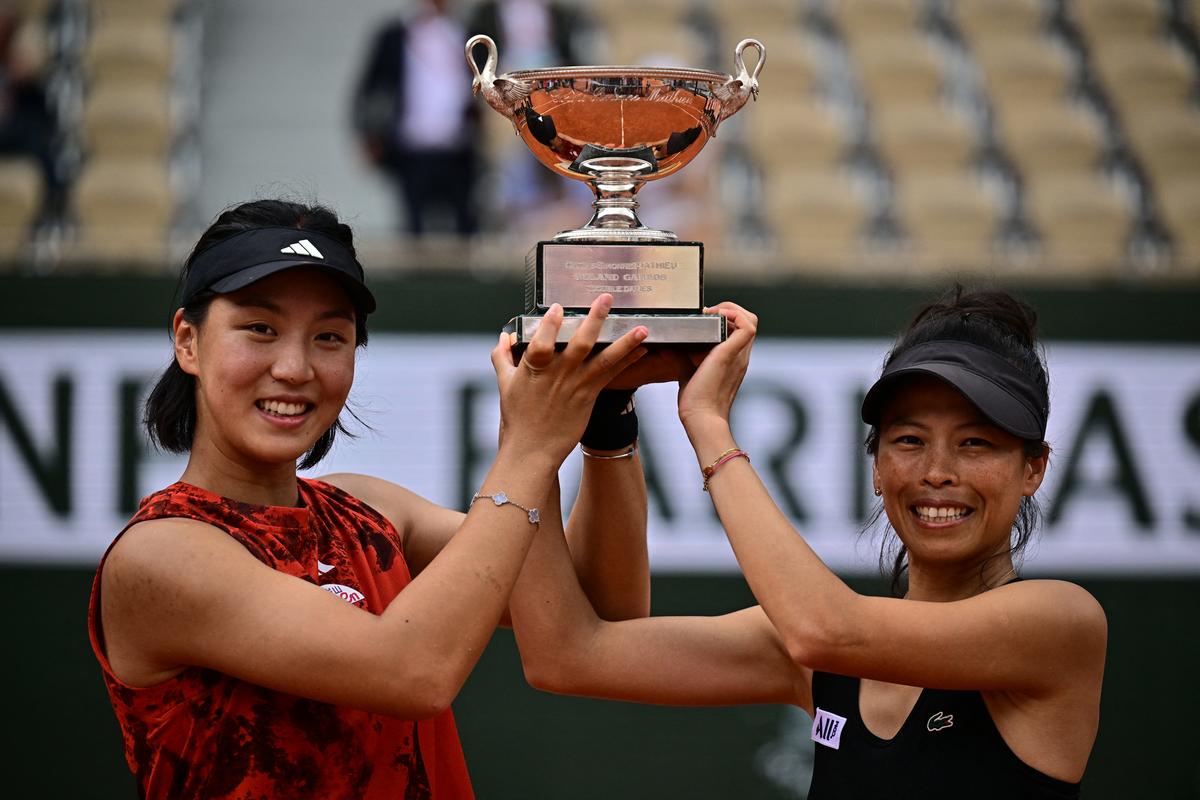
pixel 252 255
pixel 1007 397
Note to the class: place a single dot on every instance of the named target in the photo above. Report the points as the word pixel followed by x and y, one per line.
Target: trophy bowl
pixel 615 127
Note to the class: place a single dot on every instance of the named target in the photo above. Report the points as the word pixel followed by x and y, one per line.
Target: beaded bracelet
pixel 500 499
pixel 722 460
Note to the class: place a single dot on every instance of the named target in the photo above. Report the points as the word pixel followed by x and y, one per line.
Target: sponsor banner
pixel 1123 493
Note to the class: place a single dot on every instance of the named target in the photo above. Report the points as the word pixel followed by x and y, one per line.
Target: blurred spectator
pixel 27 122
pixel 527 199
pixel 414 115
pixel 530 33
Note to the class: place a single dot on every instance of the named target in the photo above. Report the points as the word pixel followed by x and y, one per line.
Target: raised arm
pixel 1036 636
pixel 177 593
pixel 606 533
pixel 567 649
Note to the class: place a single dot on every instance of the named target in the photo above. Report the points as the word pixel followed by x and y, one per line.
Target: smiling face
pixel 273 364
pixel 952 481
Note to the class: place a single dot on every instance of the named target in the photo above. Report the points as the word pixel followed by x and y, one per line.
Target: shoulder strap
pixel 837 693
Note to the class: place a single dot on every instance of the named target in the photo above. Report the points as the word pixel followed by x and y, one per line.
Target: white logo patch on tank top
pixel 827 729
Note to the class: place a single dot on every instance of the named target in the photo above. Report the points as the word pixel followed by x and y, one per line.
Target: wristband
pixel 614 423
pixel 500 499
pixel 722 460
pixel 630 453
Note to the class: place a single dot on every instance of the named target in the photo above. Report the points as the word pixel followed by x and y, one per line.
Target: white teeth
pixel 280 409
pixel 940 514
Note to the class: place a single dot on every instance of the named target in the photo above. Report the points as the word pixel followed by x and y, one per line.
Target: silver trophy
pixel 616 128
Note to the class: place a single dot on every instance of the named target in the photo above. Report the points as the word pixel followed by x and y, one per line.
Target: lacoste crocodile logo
pixel 939 722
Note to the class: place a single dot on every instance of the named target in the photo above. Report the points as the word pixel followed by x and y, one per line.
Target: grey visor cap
pixel 1004 395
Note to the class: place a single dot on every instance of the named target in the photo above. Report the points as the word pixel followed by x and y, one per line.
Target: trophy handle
pixel 505 94
pixel 489 66
pixel 729 97
pixel 750 79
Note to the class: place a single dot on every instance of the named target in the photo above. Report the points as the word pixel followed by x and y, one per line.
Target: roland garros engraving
pixel 636 278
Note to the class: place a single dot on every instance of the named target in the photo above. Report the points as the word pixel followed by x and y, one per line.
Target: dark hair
pixel 1008 327
pixel 170 414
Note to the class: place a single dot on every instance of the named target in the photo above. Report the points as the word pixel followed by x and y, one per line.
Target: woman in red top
pixel 228 616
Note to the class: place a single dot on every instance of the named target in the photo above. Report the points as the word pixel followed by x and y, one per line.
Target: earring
pixel 878 492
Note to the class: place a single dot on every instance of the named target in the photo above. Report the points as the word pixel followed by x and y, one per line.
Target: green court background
pixel 61 739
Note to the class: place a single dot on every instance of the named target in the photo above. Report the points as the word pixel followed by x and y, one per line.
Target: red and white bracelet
pixel 722 460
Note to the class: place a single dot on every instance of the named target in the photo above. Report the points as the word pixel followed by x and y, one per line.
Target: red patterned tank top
pixel 205 734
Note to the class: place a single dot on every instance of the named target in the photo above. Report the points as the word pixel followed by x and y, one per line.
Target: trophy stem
pixel 616 181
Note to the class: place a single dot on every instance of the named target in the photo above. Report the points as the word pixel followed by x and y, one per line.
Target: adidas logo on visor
pixel 303 248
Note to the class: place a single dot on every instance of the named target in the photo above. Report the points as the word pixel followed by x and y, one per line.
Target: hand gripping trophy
pixel 616 128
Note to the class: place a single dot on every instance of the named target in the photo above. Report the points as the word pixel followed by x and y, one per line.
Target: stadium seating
pixel 873 110
pixel 749 18
pixel 787 132
pixel 984 20
pixel 123 201
pixel 950 217
pixel 1023 70
pixel 1179 203
pixel 930 139
pixel 939 132
pixel 124 207
pixel 798 68
pixel 1083 220
pixel 1142 75
pixel 121 48
pixel 818 216
pixel 648 46
pixel 127 118
pixel 20 199
pixel 134 10
pixel 1051 139
pixel 1167 141
pixel 869 19
pixel 897 70
pixel 615 15
pixel 1102 20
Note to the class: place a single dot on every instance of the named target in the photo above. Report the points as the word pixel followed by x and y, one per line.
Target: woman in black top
pixel 1011 669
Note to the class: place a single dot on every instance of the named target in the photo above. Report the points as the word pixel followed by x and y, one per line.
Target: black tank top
pixel 948 747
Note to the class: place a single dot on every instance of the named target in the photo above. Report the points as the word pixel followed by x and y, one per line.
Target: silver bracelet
pixel 630 453
pixel 500 499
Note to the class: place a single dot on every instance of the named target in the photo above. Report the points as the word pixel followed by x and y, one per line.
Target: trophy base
pixel 665 329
